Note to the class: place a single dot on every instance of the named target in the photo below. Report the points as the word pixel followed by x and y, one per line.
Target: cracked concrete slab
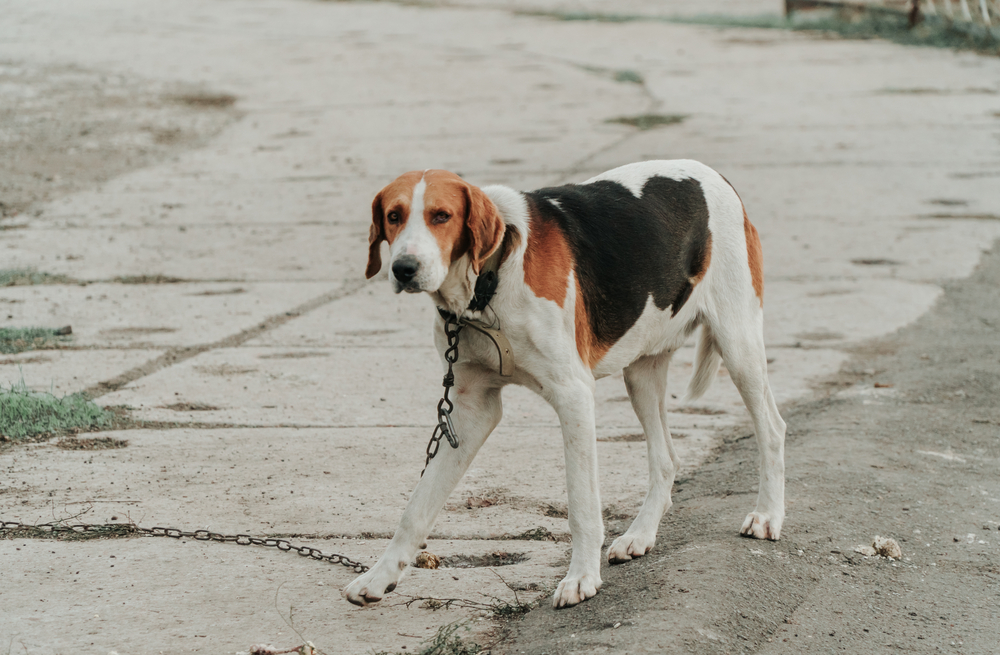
pixel 237 252
pixel 154 315
pixel 319 481
pixel 866 196
pixel 64 372
pixel 383 386
pixel 125 594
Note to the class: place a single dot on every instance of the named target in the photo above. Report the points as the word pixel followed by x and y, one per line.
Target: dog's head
pixel 431 219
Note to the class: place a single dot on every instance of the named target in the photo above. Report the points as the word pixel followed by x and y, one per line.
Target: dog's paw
pixel 369 588
pixel 574 589
pixel 629 546
pixel 760 525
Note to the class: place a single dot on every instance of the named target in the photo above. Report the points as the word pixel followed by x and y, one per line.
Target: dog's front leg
pixel 477 411
pixel 574 403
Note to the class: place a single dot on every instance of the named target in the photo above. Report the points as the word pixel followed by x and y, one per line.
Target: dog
pixel 595 278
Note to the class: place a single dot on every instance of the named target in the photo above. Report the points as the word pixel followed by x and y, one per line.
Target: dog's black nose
pixel 405 268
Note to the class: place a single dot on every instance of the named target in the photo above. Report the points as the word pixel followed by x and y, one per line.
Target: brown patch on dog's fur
pixel 755 257
pixel 590 349
pixel 446 193
pixel 547 261
pixel 483 223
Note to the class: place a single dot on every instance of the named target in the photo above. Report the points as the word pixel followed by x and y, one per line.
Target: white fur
pixel 416 239
pixel 543 338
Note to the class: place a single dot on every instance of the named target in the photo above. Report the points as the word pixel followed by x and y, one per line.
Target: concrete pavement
pixel 858 163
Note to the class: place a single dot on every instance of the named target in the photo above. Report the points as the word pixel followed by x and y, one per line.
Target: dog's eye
pixel 441 217
pixel 393 217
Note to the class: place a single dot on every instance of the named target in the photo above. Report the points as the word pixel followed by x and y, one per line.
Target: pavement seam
pixel 184 353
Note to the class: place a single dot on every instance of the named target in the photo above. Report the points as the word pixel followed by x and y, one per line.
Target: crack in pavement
pixel 184 353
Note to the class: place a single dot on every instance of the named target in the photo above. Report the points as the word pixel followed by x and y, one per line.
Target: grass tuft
pixel 22 277
pixel 147 279
pixel 27 414
pixel 872 23
pixel 445 642
pixel 933 31
pixel 628 76
pixel 19 340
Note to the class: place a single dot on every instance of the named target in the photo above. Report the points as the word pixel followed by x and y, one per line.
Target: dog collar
pixel 486 283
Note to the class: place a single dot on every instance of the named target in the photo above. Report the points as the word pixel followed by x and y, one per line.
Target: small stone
pixel 887 547
pixel 867 551
pixel 427 560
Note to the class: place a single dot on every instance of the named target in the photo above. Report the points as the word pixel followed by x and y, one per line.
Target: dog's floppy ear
pixel 375 238
pixel 485 226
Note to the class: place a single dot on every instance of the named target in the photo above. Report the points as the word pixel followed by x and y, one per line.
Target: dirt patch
pixel 557 512
pixel 948 202
pixel 204 99
pixel 876 262
pixel 637 436
pixel 220 292
pixel 34 359
pixel 644 122
pixel 147 279
pixel 365 333
pixel 498 558
pixel 191 407
pixel 136 331
pixel 295 355
pixel 68 533
pixel 819 336
pixel 225 370
pixel 67 128
pixel 970 216
pixel 95 443
pixel 705 411
pixel 536 534
pixel 925 91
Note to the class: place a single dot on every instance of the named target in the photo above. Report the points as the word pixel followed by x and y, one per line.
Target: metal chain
pixel 445 428
pixel 121 529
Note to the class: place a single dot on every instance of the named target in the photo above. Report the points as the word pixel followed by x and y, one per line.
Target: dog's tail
pixel 706 364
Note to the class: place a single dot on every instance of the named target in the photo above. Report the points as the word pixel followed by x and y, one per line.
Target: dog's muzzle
pixel 404 269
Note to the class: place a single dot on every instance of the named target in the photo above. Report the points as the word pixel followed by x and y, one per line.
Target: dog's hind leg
pixel 646 381
pixel 740 335
pixel 477 412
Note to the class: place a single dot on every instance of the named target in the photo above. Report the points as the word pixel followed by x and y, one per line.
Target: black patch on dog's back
pixel 629 248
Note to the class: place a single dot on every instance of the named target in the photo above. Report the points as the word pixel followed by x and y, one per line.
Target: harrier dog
pixel 591 279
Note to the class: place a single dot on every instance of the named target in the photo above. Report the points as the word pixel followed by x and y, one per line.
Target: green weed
pixel 628 76
pixel 27 414
pixel 147 279
pixel 19 340
pixel 21 277
pixel 873 23
pixel 445 642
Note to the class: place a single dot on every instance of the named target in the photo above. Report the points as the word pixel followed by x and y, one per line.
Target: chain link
pixel 122 529
pixel 445 428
